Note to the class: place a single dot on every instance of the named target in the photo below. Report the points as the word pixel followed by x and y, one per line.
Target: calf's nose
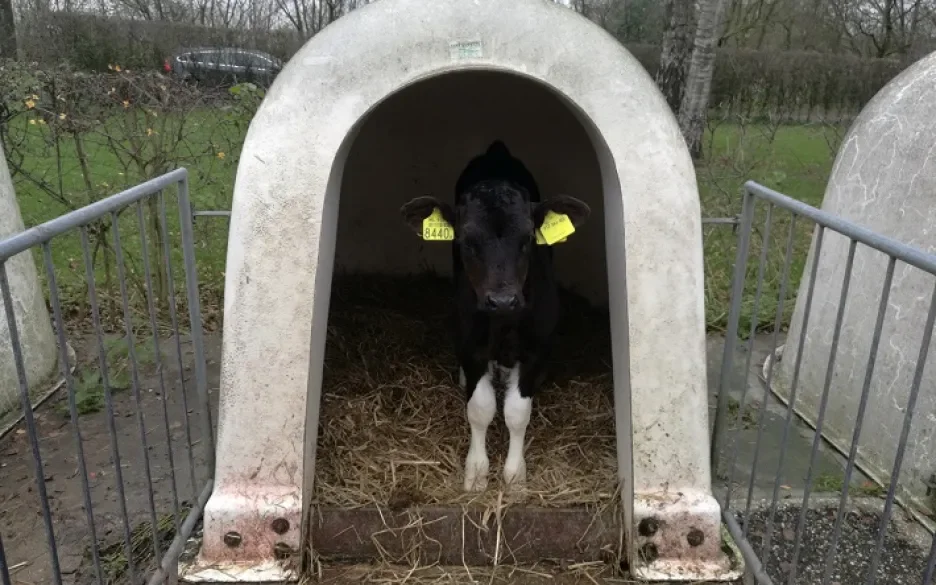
pixel 501 302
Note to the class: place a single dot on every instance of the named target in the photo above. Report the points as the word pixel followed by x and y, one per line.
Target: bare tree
pixel 677 48
pixel 155 10
pixel 583 7
pixel 881 28
pixel 310 16
pixel 747 22
pixel 695 99
pixel 605 12
pixel 641 21
pixel 7 30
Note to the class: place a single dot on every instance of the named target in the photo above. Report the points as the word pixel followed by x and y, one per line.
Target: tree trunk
pixel 695 98
pixel 677 47
pixel 7 30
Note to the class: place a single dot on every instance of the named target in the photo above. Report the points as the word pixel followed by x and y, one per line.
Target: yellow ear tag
pixel 436 229
pixel 555 229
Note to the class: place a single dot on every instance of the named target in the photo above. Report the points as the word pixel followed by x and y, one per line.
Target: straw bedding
pixel 393 431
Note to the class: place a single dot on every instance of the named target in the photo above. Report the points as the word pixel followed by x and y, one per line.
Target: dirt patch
pixel 22 525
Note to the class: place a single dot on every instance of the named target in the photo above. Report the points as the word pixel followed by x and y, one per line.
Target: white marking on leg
pixel 481 410
pixel 517 411
pixel 461 378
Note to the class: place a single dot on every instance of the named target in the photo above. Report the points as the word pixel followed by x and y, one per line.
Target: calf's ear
pixel 418 209
pixel 576 209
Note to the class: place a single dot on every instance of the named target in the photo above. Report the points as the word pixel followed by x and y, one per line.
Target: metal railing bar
pixel 108 401
pixel 761 269
pixel 731 336
pixel 178 543
pixel 904 436
pixel 823 404
pixel 174 317
pixel 135 378
pixel 64 368
pixel 723 220
pixel 794 383
pixel 890 246
pixel 762 415
pixel 751 560
pixel 218 213
pixel 930 562
pixel 4 567
pixel 859 419
pixel 46 231
pixel 157 356
pixel 30 421
pixel 194 307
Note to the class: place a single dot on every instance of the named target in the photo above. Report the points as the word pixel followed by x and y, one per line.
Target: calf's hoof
pixel 515 475
pixel 477 482
pixel 476 473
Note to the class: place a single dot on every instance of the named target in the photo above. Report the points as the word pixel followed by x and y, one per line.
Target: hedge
pixel 790 86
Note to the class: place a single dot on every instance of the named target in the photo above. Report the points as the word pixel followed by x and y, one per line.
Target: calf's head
pixel 495 231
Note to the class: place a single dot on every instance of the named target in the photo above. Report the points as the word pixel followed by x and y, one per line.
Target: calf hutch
pixel 883 179
pixel 342 429
pixel 32 319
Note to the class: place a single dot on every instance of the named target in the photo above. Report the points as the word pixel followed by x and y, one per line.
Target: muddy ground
pixel 22 523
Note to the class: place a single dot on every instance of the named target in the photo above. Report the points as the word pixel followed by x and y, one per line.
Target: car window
pixel 257 61
pixel 246 60
pixel 205 57
pixel 213 58
pixel 229 57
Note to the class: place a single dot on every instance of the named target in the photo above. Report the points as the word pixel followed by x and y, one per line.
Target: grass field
pixel 794 159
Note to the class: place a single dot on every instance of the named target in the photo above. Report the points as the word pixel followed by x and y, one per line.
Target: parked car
pixel 224 65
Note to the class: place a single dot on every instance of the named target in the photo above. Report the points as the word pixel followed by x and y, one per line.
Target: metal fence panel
pixel 143 322
pixel 727 439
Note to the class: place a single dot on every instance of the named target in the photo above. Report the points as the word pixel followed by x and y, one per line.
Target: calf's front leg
pixel 482 406
pixel 518 404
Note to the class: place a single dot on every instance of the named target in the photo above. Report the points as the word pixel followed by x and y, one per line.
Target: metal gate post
pixel 731 336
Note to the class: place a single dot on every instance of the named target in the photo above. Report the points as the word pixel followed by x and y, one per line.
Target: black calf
pixel 507 302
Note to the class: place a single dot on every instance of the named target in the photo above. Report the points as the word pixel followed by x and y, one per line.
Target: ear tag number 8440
pixel 436 229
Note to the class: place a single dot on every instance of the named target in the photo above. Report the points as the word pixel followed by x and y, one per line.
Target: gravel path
pixel 903 559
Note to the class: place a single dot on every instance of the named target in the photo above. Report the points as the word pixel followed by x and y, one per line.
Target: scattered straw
pixel 114 558
pixel 393 431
